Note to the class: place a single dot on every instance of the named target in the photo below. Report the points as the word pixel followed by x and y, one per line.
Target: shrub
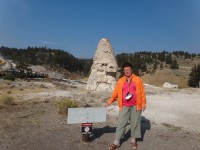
pixel 9 92
pixel 2 106
pixel 194 79
pixel 9 77
pixel 174 65
pixel 7 100
pixel 64 104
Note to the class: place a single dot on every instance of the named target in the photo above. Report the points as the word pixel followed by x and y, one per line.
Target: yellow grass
pixel 64 104
pixel 7 100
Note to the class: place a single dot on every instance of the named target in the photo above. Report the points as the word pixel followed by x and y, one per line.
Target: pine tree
pixel 194 79
pixel 161 56
pixel 161 66
pixel 169 59
pixel 174 64
pixel 155 65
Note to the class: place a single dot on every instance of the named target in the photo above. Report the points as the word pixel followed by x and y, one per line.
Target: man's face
pixel 127 71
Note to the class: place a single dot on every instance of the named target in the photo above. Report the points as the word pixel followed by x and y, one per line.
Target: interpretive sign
pixel 86 115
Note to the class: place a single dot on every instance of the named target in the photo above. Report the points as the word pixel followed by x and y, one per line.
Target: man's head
pixel 127 68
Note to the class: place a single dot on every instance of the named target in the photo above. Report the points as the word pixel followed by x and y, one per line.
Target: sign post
pixel 86 116
pixel 86 131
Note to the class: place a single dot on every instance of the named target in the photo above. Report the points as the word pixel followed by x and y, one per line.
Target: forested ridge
pixel 44 56
pixel 143 62
pixel 148 62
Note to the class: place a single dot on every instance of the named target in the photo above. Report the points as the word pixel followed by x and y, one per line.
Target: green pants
pixel 129 113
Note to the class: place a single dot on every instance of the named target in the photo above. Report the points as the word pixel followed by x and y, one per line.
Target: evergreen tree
pixel 161 66
pixel 155 65
pixel 174 64
pixel 161 56
pixel 194 79
pixel 169 59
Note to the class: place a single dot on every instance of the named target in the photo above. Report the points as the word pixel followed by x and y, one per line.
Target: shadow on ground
pixel 98 132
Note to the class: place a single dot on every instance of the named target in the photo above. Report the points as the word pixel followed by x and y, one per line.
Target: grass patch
pixel 9 77
pixel 43 86
pixel 1 87
pixel 33 114
pixel 46 101
pixel 172 127
pixel 91 101
pixel 9 92
pixel 64 104
pixel 2 106
pixel 7 100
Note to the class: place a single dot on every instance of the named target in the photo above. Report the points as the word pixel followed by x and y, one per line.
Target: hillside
pixel 178 76
pixel 158 68
pixel 43 56
pixel 155 68
pixel 53 60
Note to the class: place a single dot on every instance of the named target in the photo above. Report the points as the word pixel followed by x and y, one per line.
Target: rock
pixel 6 64
pixel 168 85
pixel 104 68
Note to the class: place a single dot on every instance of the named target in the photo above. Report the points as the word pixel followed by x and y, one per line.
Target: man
pixel 129 91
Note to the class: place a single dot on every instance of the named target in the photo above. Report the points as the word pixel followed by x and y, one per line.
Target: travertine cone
pixel 104 68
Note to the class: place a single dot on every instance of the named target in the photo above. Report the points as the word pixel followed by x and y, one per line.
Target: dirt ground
pixel 33 122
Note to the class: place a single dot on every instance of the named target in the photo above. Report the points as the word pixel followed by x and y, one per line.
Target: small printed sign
pixel 86 128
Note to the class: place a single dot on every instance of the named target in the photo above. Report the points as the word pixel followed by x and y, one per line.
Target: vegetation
pixel 86 63
pixel 7 100
pixel 143 61
pixel 45 56
pixel 9 77
pixel 194 79
pixel 64 104
pixel 174 64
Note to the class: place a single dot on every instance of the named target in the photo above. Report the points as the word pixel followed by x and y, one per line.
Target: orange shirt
pixel 140 93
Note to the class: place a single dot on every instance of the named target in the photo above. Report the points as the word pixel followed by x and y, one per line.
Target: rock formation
pixel 168 85
pixel 5 64
pixel 104 68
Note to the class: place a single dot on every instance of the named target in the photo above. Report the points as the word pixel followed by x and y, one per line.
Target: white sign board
pixel 85 115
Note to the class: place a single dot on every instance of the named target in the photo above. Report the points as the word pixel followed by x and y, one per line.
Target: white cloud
pixel 49 43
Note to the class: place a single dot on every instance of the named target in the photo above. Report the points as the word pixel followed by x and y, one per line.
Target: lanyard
pixel 129 83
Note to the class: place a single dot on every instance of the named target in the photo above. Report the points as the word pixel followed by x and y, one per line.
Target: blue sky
pixel 77 26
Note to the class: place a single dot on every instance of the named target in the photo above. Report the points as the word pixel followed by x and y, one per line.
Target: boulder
pixel 104 68
pixel 168 85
